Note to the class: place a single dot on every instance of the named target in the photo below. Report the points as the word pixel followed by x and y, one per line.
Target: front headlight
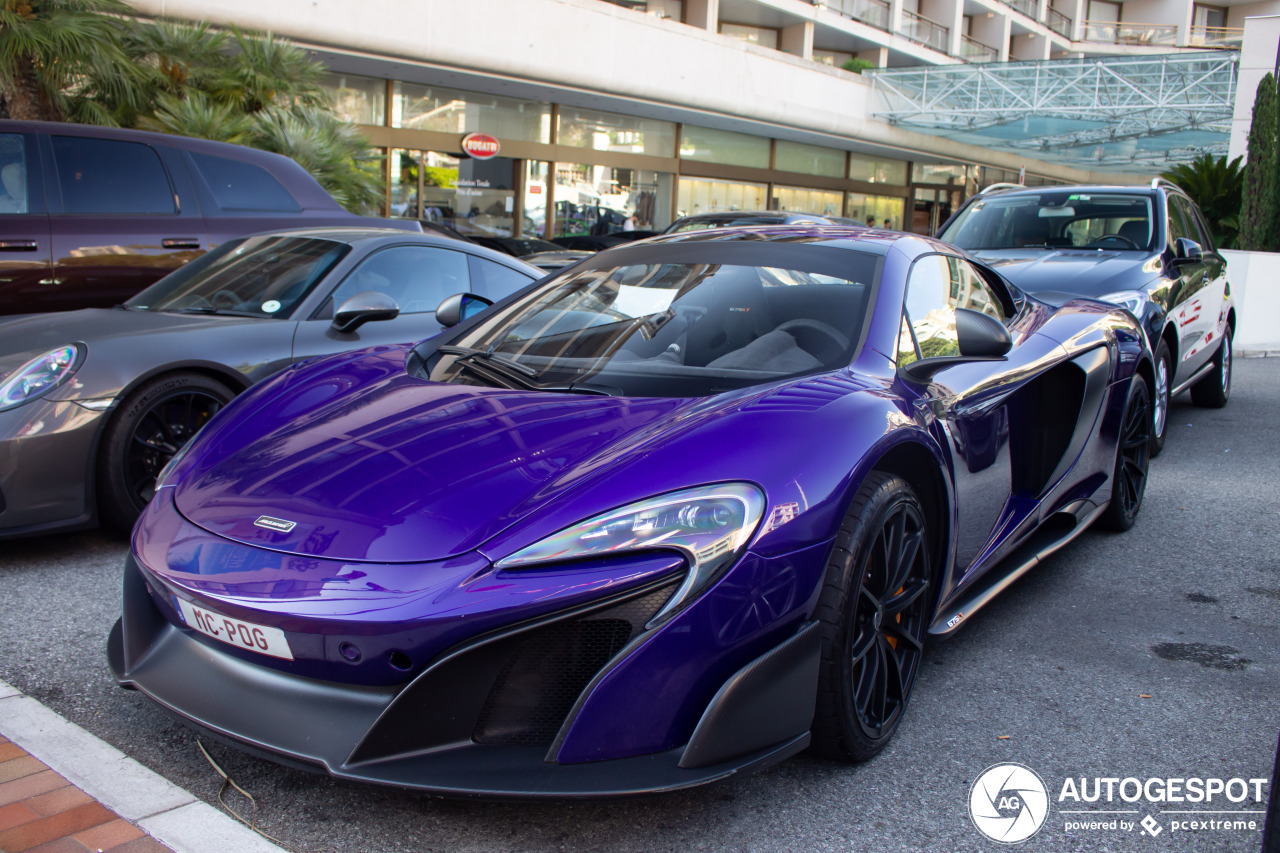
pixel 1134 300
pixel 40 375
pixel 710 525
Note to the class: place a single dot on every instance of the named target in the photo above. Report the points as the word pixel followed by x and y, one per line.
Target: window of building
pixel 875 170
pixel 808 159
pixel 835 58
pixel 362 100
pixel 583 128
pixel 453 111
pixel 723 146
pixel 802 200
pixel 110 176
pixel 706 195
pixel 886 210
pixel 13 173
pixel 243 186
pixel 932 173
pixel 763 36
pixel 1208 16
pixel 599 200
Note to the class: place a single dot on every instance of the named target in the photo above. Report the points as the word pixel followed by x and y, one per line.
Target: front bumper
pixel 422 735
pixel 46 467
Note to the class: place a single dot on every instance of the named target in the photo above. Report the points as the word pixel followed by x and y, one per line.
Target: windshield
pixel 677 320
pixel 253 277
pixel 1054 220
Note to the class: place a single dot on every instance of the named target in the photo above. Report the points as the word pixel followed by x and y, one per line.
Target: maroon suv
pixel 91 215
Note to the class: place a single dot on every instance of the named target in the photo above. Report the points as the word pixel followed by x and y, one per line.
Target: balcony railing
pixel 1059 23
pixel 1223 37
pixel 872 12
pixel 920 29
pixel 1113 32
pixel 976 51
pixel 1026 7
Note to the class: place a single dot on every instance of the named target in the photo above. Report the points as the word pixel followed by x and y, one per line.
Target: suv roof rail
pixel 1156 183
pixel 1001 188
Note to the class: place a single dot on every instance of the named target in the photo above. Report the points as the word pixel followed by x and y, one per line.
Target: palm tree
pixel 332 150
pixel 1216 186
pixel 47 47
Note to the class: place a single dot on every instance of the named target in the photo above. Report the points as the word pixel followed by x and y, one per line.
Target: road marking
pixel 170 814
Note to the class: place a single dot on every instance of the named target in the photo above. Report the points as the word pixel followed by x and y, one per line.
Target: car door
pixel 26 259
pixel 118 219
pixel 417 277
pixel 1190 309
pixel 974 405
pixel 1212 293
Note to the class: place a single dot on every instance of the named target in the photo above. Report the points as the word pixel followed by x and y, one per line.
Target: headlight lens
pixel 711 525
pixel 39 376
pixel 1134 300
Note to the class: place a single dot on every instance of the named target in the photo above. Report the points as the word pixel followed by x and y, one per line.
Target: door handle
pixel 18 246
pixel 180 243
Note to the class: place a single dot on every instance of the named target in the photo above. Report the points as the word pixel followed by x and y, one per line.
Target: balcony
pixel 874 13
pixel 924 31
pixel 1115 32
pixel 1227 38
pixel 1026 7
pixel 976 51
pixel 1059 23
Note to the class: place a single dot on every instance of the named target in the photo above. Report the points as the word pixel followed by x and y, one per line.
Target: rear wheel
pixel 1163 377
pixel 150 426
pixel 874 613
pixel 1133 456
pixel 1213 391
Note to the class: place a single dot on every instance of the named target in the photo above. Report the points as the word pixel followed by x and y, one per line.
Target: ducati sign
pixel 481 146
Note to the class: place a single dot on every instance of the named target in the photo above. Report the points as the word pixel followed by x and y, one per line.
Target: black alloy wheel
pixel 150 427
pixel 1133 459
pixel 874 613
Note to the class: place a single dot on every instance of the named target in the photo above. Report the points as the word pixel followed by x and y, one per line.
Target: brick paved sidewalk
pixel 41 812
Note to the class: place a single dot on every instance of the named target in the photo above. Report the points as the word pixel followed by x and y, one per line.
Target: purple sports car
pixel 683 510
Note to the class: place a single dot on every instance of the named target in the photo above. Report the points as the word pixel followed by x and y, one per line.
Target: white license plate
pixel 236 632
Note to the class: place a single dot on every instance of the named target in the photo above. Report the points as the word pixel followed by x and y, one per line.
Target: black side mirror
pixel 362 308
pixel 979 337
pixel 1186 251
pixel 458 307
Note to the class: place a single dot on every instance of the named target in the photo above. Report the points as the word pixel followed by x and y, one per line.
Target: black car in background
pixel 1147 248
pixel 91 215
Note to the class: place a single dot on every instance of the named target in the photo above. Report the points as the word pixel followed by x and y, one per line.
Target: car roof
pixel 859 238
pixel 362 234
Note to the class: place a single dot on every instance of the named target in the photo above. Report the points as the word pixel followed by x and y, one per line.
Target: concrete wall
pixel 1257 295
pixel 1258 56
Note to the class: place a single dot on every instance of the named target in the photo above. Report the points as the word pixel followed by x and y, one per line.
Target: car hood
pixel 368 464
pixel 1085 272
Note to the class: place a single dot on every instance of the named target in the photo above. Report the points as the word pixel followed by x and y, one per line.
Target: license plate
pixel 236 632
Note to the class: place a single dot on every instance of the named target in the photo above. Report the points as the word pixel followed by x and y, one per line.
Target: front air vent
pixel 549 668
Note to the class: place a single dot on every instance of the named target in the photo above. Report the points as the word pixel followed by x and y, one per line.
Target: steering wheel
pixel 821 340
pixel 1101 242
pixel 225 299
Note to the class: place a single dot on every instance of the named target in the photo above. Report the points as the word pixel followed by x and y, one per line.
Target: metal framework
pixel 1116 113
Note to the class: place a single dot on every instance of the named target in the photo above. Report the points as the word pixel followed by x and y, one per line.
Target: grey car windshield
pixel 675 327
pixel 1054 220
pixel 264 276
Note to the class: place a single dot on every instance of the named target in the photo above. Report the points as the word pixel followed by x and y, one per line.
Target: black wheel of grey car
pixel 874 611
pixel 149 427
pixel 1160 402
pixel 1215 389
pixel 1133 458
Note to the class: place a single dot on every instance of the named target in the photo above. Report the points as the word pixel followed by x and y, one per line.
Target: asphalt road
pixel 1183 609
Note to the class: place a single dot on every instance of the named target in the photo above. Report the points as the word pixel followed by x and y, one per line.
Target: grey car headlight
pixel 710 525
pixel 40 375
pixel 1134 300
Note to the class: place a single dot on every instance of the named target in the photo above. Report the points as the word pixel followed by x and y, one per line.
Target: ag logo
pixel 1008 803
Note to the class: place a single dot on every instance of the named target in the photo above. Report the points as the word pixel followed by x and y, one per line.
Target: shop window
pixel 361 100
pixel 599 200
pixel 705 195
pixel 763 36
pixel 453 111
pixel 582 128
pixel 874 170
pixel 801 200
pixel 932 173
pixel 722 146
pixel 886 210
pixel 808 159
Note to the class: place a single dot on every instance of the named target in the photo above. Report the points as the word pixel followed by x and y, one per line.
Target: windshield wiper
pixel 491 358
pixel 201 309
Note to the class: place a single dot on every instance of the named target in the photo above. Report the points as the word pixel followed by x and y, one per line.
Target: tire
pixel 1133 458
pixel 1214 390
pixel 1163 383
pixel 149 427
pixel 1271 829
pixel 874 611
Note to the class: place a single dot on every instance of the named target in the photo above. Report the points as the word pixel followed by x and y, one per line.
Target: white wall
pixel 1257 296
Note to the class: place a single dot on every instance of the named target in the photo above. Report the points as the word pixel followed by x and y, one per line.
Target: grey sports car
pixel 94 403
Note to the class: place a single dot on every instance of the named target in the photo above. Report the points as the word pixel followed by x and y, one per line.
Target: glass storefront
pixel 604 199
pixel 362 100
pixel 723 146
pixel 808 159
pixel 875 170
pixel 451 111
pixel 887 210
pixel 601 131
pixel 535 198
pixel 707 195
pixel 801 200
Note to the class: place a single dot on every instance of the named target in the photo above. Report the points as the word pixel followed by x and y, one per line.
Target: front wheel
pixel 150 426
pixel 874 612
pixel 1213 391
pixel 1133 457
